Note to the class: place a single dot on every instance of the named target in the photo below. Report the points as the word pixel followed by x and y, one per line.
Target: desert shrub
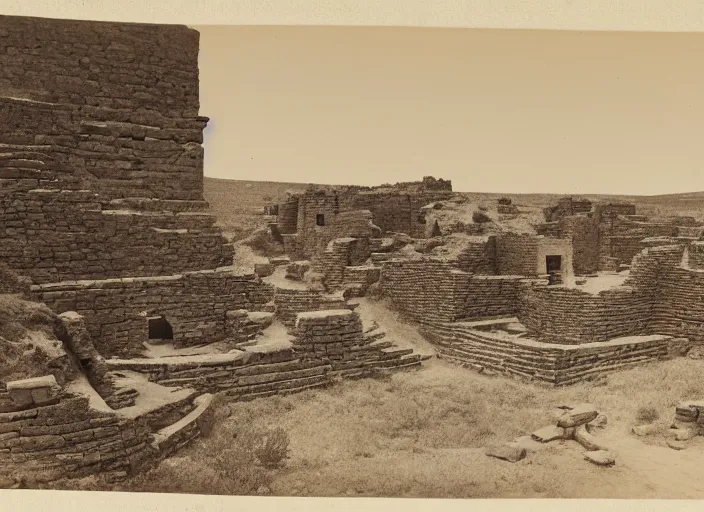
pixel 482 208
pixel 505 201
pixel 272 448
pixel 647 414
pixel 480 217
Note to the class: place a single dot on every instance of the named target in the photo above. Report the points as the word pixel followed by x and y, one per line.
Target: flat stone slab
pixel 549 433
pixel 676 445
pixel 601 457
pixel 529 444
pixel 644 430
pixel 578 415
pixel 47 381
pixel 511 452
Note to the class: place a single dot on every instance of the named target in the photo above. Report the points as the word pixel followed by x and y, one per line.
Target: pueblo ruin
pixel 123 313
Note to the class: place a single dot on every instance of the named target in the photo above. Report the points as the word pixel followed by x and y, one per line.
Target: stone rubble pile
pixel 574 423
pixel 688 423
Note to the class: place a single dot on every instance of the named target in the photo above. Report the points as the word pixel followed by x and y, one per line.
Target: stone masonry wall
pixel 584 233
pixel 391 211
pixel 118 153
pixel 492 296
pixel 558 314
pixel 428 291
pixel 53 235
pixel 113 65
pixel 555 364
pixel 516 254
pixel 68 439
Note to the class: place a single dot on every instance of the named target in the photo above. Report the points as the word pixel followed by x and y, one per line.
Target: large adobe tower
pixel 101 180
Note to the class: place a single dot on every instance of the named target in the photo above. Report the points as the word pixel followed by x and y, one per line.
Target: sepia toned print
pixel 165 332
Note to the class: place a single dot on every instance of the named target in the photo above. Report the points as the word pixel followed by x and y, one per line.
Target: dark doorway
pixel 160 329
pixel 553 263
pixel 320 219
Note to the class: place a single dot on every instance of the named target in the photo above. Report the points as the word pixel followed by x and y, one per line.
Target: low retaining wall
pixel 555 364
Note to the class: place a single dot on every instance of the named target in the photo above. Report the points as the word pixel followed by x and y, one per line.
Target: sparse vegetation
pixel 421 434
pixel 647 415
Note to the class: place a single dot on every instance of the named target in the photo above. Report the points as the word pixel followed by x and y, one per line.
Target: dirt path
pixel 670 473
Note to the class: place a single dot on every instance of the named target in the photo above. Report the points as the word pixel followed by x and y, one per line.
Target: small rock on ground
pixel 511 452
pixel 685 434
pixel 599 422
pixel 601 457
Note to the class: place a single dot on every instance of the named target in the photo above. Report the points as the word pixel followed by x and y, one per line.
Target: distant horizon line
pixel 564 194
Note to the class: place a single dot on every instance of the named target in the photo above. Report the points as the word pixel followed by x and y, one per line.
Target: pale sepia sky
pixel 579 112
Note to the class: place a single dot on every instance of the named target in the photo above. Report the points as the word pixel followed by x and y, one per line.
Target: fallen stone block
pixel 601 457
pixel 37 390
pixel 587 440
pixel 511 452
pixel 578 415
pixel 685 434
pixel 549 433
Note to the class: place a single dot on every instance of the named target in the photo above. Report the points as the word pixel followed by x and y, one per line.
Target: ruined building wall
pixel 55 235
pixel 101 180
pixel 557 314
pixel 288 215
pixel 479 256
pixel 391 211
pixel 116 310
pixel 491 297
pixel 136 98
pixel 621 237
pixel 679 308
pixel 583 231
